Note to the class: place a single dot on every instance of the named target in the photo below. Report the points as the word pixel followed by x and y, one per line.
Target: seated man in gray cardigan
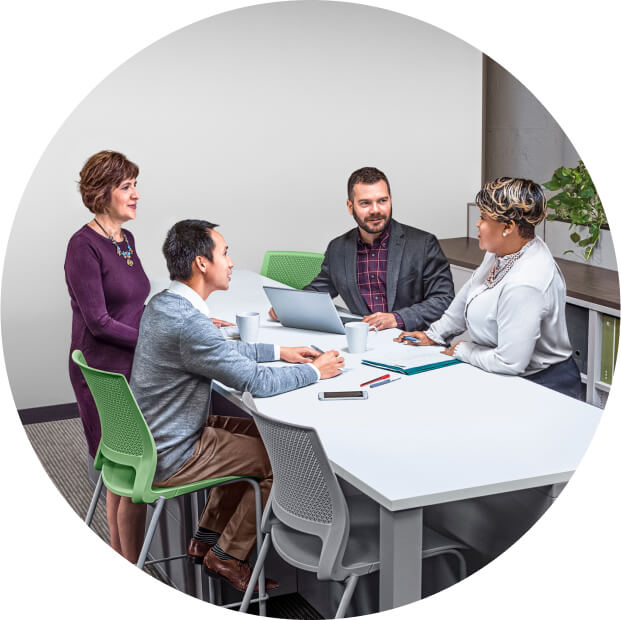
pixel 179 352
pixel 394 275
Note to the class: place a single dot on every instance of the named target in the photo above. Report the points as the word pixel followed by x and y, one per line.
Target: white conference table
pixel 435 437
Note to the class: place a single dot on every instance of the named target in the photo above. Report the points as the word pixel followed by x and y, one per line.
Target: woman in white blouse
pixel 514 305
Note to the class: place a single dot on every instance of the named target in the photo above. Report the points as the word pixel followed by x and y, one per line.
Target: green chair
pixel 127 458
pixel 296 269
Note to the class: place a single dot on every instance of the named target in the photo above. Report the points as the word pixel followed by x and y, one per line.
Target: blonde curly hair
pixel 514 200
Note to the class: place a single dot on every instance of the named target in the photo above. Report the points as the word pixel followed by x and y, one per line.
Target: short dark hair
pixel 507 199
pixel 368 176
pixel 185 241
pixel 103 172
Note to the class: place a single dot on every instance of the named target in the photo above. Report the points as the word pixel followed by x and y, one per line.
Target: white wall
pixel 254 120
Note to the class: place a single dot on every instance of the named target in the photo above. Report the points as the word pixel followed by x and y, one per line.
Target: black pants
pixel 563 377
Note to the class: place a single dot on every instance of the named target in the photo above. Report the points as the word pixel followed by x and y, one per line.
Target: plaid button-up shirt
pixel 371 263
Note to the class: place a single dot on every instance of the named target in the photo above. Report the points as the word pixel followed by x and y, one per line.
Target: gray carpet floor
pixel 61 448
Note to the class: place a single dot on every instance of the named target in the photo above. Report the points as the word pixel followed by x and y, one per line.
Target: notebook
pixel 409 360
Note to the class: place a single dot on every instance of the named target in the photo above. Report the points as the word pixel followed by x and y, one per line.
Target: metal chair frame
pixel 127 464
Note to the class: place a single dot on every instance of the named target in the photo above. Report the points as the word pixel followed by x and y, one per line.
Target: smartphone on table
pixel 344 395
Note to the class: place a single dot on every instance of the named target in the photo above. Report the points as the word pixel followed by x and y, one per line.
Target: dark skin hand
pixel 425 341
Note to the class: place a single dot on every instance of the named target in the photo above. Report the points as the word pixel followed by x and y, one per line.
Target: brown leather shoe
pixel 197 550
pixel 236 572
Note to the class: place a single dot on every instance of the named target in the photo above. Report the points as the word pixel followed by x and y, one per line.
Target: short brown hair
pixel 514 200
pixel 367 176
pixel 103 172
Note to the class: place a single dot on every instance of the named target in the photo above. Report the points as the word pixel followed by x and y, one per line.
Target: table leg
pixel 401 557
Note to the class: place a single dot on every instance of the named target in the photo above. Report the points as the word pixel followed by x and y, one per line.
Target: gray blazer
pixel 419 285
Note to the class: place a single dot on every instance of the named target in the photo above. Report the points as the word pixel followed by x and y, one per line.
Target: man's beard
pixel 366 226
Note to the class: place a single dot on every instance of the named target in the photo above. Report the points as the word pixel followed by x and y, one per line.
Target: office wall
pixel 252 119
pixel 521 137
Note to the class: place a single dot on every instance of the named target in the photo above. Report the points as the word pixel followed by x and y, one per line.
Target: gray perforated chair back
pixel 307 518
pixel 306 495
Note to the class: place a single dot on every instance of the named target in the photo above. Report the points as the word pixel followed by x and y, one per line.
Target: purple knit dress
pixel 107 299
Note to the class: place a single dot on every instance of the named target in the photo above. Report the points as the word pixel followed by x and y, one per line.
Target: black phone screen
pixel 354 394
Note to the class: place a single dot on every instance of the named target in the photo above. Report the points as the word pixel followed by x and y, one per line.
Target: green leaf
pixel 568 252
pixel 595 235
pixel 588 252
pixel 575 237
pixel 552 185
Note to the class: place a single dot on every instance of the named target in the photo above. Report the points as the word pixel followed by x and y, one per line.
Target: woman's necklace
pixel 502 266
pixel 126 255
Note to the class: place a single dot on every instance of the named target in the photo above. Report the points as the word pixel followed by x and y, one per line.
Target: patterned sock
pixel 223 555
pixel 207 536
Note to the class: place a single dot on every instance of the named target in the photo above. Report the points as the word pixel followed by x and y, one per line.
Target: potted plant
pixel 578 203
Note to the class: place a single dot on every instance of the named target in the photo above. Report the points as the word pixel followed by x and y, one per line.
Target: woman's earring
pixel 504 234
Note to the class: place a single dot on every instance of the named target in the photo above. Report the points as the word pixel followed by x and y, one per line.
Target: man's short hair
pixel 368 176
pixel 185 241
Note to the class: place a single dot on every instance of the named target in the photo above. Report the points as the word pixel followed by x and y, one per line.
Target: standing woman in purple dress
pixel 108 288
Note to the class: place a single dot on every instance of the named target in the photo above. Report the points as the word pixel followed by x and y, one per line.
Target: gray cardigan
pixel 419 285
pixel 179 352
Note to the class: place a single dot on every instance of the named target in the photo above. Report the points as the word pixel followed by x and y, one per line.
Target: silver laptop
pixel 308 310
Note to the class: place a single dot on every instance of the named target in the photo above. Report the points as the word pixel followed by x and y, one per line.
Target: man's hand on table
pixel 329 364
pixel 381 320
pixel 221 323
pixel 273 315
pixel 298 355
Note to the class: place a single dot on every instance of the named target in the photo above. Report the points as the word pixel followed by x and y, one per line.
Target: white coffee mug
pixel 248 324
pixel 356 333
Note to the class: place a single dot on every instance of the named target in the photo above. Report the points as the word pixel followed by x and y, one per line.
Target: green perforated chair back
pixel 296 269
pixel 127 454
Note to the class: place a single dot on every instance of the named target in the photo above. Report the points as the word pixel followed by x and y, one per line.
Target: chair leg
pixel 159 506
pixel 462 563
pixel 94 500
pixel 256 571
pixel 352 581
pixel 258 510
pixel 212 590
pixel 198 573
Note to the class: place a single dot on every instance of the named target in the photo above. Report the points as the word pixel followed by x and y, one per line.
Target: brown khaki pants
pixel 228 447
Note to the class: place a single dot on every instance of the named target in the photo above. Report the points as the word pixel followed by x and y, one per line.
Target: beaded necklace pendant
pixel 127 255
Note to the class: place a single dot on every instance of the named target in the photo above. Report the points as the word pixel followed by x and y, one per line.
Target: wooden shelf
pixel 593 285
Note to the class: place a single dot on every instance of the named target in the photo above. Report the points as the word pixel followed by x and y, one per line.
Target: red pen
pixel 374 380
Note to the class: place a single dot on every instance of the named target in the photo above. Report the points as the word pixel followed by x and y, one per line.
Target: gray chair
pixel 311 523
